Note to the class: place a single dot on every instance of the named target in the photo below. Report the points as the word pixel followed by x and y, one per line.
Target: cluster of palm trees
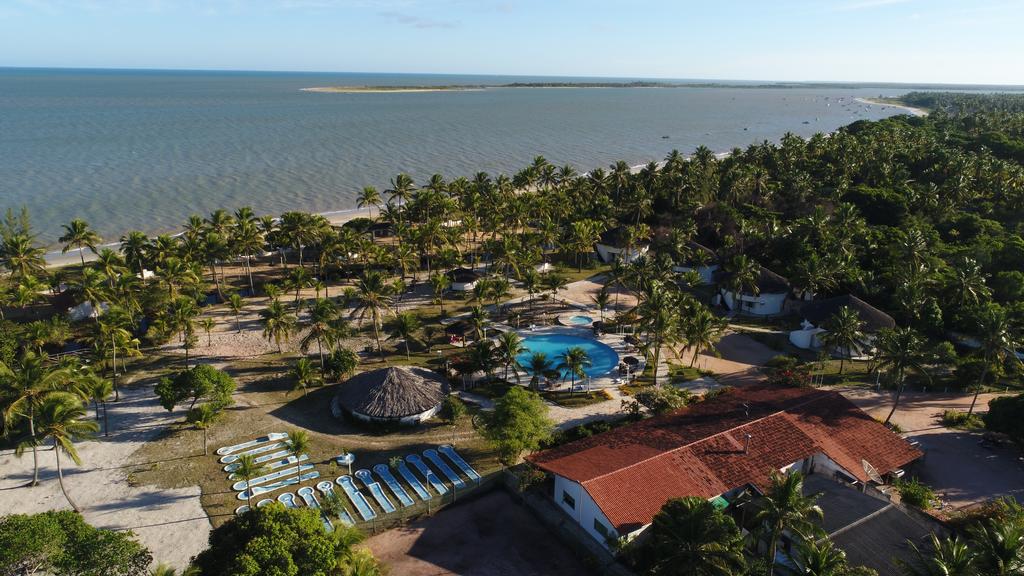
pixel 991 547
pixel 44 403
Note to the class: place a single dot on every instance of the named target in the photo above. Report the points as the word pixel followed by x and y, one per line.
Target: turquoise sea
pixel 145 149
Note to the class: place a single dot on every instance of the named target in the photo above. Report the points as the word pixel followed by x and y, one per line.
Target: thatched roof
pixel 395 392
pixel 819 311
pixel 463 275
pixel 767 282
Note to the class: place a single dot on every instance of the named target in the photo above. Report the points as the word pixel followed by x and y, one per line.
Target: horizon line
pixel 865 83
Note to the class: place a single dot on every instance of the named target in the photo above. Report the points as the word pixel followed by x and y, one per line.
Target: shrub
pixel 915 493
pixel 1006 415
pixel 202 382
pixel 782 362
pixel 790 378
pixel 959 419
pixel 968 372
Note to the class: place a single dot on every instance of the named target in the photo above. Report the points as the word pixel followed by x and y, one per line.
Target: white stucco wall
pixel 585 511
pixel 610 253
pixel 707 273
pixel 764 304
pixel 462 286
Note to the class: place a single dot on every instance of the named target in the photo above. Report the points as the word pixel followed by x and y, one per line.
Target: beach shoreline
pixel 385 90
pixel 910 109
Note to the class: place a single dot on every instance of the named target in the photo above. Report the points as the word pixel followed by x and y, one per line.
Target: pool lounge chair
pixel 376 491
pixel 443 466
pixel 267 488
pixel 327 489
pixel 288 499
pixel 273 436
pixel 309 497
pixel 413 481
pixel 357 498
pixel 385 474
pixel 427 473
pixel 449 451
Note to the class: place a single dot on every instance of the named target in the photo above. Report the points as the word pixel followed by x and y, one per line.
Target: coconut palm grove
pixel 494 325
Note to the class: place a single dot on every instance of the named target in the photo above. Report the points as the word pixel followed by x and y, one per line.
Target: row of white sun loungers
pixel 286 477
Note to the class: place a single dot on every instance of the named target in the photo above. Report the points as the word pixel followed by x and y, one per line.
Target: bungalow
pixel 817 313
pixel 613 484
pixel 701 259
pixel 773 290
pixel 613 246
pixel 463 279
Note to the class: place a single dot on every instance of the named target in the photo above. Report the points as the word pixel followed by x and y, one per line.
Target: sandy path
pixel 171 523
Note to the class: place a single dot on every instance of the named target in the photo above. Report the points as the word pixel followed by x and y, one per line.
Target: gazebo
pixel 398 394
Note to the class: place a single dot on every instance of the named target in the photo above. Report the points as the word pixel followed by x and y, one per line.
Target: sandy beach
pixel 912 110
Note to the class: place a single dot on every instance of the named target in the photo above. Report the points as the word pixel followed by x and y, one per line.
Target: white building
pixel 770 299
pixel 613 246
pixel 702 260
pixel 613 484
pixel 463 279
pixel 817 314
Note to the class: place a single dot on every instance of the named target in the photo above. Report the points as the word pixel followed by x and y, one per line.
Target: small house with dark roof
pixel 398 394
pixel 463 279
pixel 701 259
pixel 773 291
pixel 817 313
pixel 613 484
pixel 613 245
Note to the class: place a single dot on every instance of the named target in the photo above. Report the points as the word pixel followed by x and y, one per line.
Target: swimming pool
pixel 602 358
pixel 581 320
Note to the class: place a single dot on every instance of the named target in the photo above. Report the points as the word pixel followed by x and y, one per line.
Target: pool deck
pixel 617 342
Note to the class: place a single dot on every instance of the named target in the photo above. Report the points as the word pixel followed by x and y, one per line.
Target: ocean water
pixel 145 149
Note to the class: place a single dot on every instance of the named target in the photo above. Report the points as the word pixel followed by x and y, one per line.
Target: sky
pixel 913 41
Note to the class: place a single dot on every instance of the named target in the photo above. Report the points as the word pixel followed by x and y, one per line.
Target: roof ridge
pixel 814 397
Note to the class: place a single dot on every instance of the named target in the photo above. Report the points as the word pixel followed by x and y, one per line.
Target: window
pixel 568 500
pixel 600 528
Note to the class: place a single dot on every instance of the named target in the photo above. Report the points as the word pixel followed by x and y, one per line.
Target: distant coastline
pixel 635 84
pixel 387 89
pixel 895 103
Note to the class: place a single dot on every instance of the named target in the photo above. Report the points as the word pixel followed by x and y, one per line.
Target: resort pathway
pixel 170 522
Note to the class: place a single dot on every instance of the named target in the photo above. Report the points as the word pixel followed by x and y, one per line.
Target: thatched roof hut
pixel 403 394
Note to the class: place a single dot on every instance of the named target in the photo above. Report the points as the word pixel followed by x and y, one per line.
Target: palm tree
pixel 742 278
pixel 785 507
pixel 479 320
pixel 404 327
pixel 296 444
pixel 373 299
pixel 248 468
pixel 21 256
pixel 78 234
pixel 440 283
pixel 508 348
pixel 999 547
pixel 134 246
pixel 819 558
pixel 202 418
pixel 28 385
pixel 298 279
pixel 689 537
pixel 844 332
pixel 236 304
pixel 110 264
pixel 304 375
pixel 368 197
pixel 323 326
pixel 61 420
pixel 175 272
pixel 701 331
pixel 999 343
pixel 602 300
pixel 898 350
pixel 540 367
pixel 277 322
pixel 247 240
pixel 659 319
pixel 208 324
pixel 98 389
pixel 92 288
pixel 947 557
pixel 574 360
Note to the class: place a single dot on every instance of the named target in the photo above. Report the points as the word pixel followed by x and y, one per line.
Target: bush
pixel 958 419
pixel 968 373
pixel 1008 286
pixel 62 543
pixel 1006 415
pixel 201 382
pixel 782 362
pixel 915 493
pixel 790 378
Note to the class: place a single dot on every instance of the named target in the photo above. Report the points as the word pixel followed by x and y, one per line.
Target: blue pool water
pixel 581 320
pixel 602 358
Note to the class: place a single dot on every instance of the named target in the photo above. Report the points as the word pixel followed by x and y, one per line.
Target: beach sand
pixel 910 109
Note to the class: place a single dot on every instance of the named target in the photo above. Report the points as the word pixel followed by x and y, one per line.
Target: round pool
pixel 581 320
pixel 602 358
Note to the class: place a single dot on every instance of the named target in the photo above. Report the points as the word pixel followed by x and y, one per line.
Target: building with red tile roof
pixel 614 483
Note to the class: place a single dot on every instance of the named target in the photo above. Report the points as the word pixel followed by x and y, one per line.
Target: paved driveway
pixel 961 472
